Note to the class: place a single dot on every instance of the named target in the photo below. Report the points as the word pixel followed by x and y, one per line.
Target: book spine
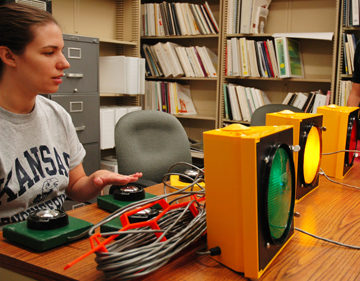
pixel 150 60
pixel 230 15
pixel 168 97
pixel 268 58
pixel 194 62
pixel 175 55
pixel 264 59
pixel 169 19
pixel 246 11
pixel 156 61
pixel 192 20
pixel 151 20
pixel 147 66
pixel 180 19
pixel 164 19
pixel 175 19
pixel 202 19
pixel 244 57
pixel 187 20
pixel 292 99
pixel 226 103
pixel 280 51
pixel 207 20
pixel 211 16
pixel 200 62
pixel 197 19
pixel 170 61
pixel 162 60
pixel 163 99
pixel 235 55
pixel 160 20
pixel 185 61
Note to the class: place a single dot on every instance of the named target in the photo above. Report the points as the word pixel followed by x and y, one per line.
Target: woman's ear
pixel 6 55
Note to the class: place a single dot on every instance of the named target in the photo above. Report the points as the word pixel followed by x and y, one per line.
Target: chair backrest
pixel 258 117
pixel 150 142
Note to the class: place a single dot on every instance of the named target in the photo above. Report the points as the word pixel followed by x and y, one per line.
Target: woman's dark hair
pixel 17 22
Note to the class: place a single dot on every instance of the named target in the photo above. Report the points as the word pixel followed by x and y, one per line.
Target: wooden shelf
pixel 119 42
pixel 310 78
pixel 180 37
pixel 198 116
pixel 183 78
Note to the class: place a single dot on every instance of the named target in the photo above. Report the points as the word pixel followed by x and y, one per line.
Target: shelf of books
pixel 348 37
pixel 180 42
pixel 271 48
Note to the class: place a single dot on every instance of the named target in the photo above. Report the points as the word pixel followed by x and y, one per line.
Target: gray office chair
pixel 258 117
pixel 150 142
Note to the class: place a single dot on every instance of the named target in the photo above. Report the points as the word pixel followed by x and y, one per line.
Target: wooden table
pixel 331 211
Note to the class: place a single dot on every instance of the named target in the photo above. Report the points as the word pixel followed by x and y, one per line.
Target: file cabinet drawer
pixel 83 55
pixel 84 110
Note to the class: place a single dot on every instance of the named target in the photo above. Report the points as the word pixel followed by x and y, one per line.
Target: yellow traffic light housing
pixel 341 134
pixel 307 134
pixel 250 194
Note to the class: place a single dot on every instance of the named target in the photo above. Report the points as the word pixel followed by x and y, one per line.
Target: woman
pixel 40 154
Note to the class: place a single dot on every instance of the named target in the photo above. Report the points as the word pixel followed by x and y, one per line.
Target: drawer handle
pixel 75 75
pixel 80 128
pixel 76 106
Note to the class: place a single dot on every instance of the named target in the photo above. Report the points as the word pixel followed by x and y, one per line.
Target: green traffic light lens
pixel 280 194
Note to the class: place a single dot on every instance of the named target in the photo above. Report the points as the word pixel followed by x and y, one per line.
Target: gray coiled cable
pixel 140 252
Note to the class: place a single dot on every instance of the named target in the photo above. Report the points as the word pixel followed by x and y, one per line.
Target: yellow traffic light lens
pixel 280 194
pixel 312 154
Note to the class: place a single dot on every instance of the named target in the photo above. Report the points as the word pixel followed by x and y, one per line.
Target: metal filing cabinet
pixel 79 94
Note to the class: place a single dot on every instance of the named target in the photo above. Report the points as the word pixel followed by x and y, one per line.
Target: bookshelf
pixel 346 27
pixel 319 56
pixel 204 90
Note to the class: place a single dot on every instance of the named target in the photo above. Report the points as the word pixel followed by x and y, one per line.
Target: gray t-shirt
pixel 37 151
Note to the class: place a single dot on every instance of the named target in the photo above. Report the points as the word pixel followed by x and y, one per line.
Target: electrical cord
pixel 194 182
pixel 338 151
pixel 327 177
pixel 328 240
pixel 212 252
pixel 138 252
pixel 133 261
pixel 341 183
